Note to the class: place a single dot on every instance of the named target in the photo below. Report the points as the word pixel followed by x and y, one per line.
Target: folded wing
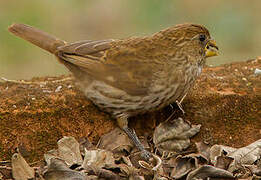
pixel 123 70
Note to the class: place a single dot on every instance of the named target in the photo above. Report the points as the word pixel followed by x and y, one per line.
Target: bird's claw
pixel 152 164
pixel 146 155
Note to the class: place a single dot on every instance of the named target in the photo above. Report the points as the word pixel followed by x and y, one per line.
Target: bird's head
pixel 193 40
pixel 199 37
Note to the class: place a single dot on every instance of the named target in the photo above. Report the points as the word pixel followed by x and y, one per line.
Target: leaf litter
pixel 115 157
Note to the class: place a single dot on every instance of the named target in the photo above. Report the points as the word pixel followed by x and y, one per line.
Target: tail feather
pixel 36 37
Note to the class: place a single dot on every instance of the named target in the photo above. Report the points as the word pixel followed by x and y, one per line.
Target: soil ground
pixel 226 101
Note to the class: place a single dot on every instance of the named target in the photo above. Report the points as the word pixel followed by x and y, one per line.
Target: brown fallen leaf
pixel 174 135
pixel 85 144
pixel 50 155
pixel 182 166
pixel 58 169
pixel 204 150
pixel 246 155
pixel 20 169
pixel 223 162
pixel 218 150
pixel 116 141
pixel 69 150
pixel 207 171
pixel 241 156
pixel 98 158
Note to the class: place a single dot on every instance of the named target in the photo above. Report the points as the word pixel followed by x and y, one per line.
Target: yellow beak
pixel 211 48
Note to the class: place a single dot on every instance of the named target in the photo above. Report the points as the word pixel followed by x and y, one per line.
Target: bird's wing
pixel 116 66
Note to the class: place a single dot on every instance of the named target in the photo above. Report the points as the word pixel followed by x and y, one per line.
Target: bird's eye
pixel 202 37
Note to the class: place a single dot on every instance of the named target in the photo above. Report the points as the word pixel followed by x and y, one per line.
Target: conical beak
pixel 211 48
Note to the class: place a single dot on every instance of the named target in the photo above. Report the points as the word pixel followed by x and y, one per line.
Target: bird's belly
pixel 117 102
pixel 177 89
pixel 113 100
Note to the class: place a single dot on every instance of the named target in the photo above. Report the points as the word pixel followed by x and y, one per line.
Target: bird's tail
pixel 36 37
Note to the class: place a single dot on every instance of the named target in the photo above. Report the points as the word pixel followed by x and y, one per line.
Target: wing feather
pixel 125 71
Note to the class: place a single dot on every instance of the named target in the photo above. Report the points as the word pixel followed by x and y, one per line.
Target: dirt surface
pixel 226 101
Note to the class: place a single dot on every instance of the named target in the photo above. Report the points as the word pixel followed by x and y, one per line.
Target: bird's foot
pixel 152 164
pixel 146 155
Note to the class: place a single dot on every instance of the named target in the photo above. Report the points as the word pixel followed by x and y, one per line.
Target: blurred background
pixel 235 25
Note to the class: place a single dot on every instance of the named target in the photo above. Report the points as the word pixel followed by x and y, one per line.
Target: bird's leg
pixel 180 106
pixel 182 98
pixel 179 103
pixel 123 124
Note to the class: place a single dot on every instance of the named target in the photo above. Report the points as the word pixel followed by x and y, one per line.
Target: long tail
pixel 36 37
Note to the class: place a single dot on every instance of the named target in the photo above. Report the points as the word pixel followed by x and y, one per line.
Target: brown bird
pixel 135 75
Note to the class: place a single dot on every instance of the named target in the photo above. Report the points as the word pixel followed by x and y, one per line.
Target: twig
pixel 37 83
pixel 5 167
pixel 5 162
pixel 36 162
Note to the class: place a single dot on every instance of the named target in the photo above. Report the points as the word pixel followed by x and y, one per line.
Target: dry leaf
pixel 174 135
pixel 116 141
pixel 218 150
pixel 245 155
pixel 50 155
pixel 242 156
pixel 182 166
pixel 98 158
pixel 69 150
pixel 207 171
pixel 59 170
pixel 20 169
pixel 223 162
pixel 204 150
